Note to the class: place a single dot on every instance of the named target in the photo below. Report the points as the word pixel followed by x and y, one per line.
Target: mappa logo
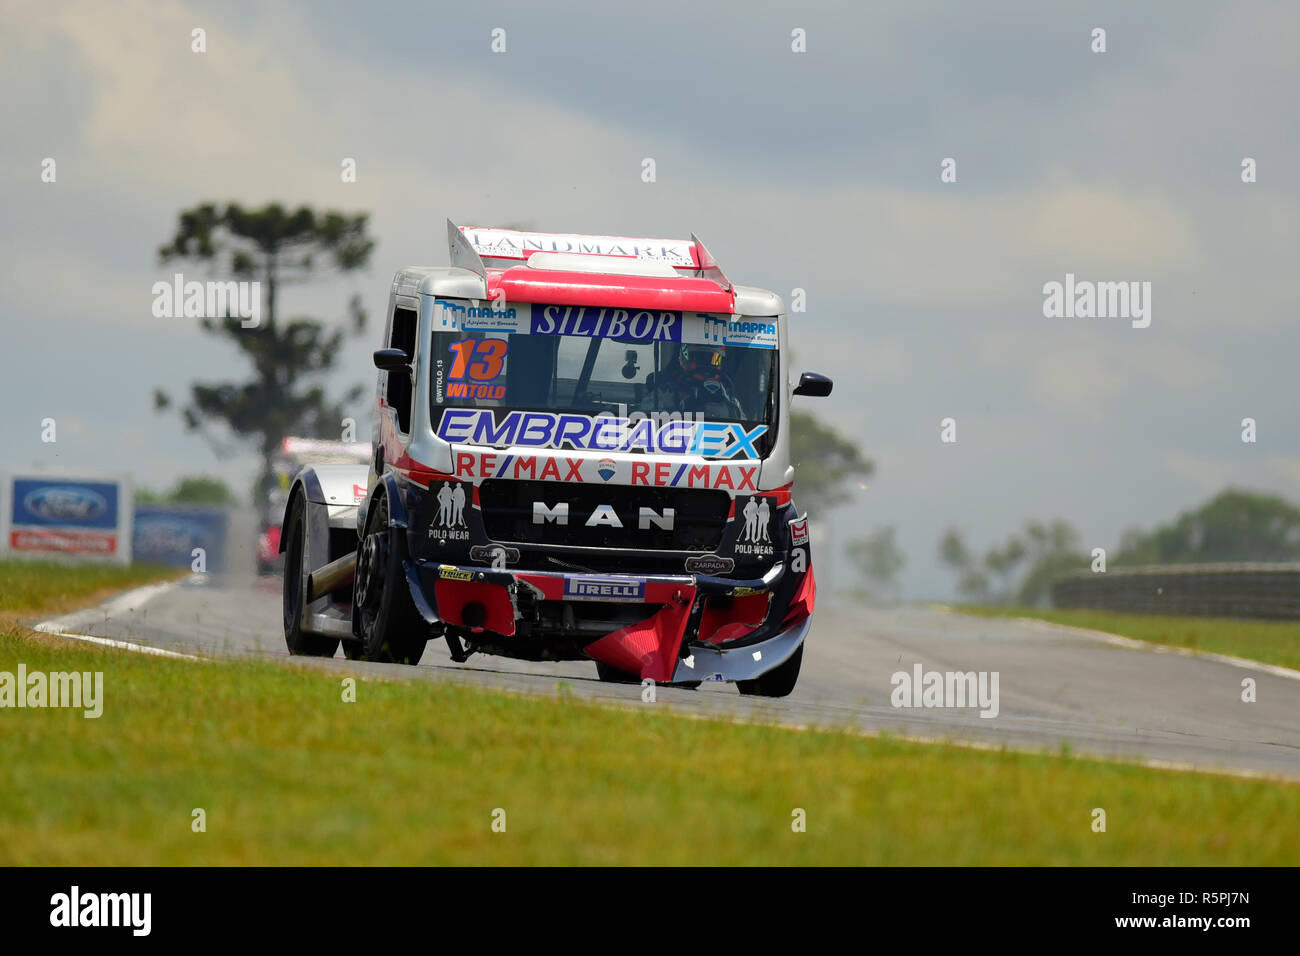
pixel 730 331
pixel 131 910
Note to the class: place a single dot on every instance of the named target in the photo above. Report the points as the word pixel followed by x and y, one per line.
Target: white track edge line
pixel 135 598
pixel 1134 644
pixel 47 628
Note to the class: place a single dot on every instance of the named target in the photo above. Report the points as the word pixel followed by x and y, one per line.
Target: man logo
pixel 603 515
pixel 605 468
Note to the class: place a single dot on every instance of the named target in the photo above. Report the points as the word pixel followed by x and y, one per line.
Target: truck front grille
pixel 603 516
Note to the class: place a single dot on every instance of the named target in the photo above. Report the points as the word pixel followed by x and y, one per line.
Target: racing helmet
pixel 701 359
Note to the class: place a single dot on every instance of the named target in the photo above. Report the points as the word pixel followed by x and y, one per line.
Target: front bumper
pixel 707 662
pixel 651 648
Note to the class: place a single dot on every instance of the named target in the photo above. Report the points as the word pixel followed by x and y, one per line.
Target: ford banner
pixel 183 536
pixel 67 516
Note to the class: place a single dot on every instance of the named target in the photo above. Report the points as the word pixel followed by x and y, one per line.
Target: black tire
pixel 612 675
pixel 392 630
pixel 300 644
pixel 778 682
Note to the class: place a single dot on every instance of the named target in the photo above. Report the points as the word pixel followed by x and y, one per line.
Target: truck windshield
pixel 551 378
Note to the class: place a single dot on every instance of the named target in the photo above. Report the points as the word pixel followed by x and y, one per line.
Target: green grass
pixel 28 587
pixel 1270 642
pixel 411 773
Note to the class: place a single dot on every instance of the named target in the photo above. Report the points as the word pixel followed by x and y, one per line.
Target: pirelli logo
pixel 604 589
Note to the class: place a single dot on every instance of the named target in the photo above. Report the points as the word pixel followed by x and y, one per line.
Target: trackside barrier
pixel 173 534
pixel 1203 590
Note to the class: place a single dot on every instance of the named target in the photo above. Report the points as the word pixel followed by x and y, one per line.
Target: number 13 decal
pixel 478 359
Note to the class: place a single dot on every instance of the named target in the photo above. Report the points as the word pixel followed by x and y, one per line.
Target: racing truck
pixel 294 454
pixel 580 451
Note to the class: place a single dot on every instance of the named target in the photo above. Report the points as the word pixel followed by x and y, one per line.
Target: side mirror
pixel 812 385
pixel 392 360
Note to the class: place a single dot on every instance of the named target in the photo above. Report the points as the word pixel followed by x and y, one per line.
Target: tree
pixel 972 583
pixel 191 490
pixel 1053 550
pixel 1044 550
pixel 1233 526
pixel 825 461
pixel 1003 562
pixel 276 247
pixel 953 551
pixel 878 560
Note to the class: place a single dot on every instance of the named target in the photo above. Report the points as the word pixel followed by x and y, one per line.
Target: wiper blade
pixel 569 565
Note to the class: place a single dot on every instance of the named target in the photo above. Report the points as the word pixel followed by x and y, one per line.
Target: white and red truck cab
pixel 580 451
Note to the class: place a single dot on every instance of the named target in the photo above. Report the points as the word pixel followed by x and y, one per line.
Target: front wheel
pixel 392 630
pixel 300 643
pixel 778 682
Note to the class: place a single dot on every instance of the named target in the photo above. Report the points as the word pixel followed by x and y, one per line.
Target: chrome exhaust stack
pixel 332 577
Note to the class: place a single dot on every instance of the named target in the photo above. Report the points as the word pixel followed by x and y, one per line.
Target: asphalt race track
pixel 1057 686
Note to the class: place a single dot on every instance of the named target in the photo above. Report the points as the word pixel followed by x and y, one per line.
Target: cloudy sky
pixel 817 170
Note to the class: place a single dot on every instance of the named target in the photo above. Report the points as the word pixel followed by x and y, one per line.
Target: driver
pixel 697 383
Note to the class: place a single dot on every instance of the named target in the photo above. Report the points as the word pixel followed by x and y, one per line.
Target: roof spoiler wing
pixel 709 268
pixel 465 256
pixel 462 252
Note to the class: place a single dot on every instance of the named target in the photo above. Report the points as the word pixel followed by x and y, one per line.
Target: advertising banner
pixel 68 516
pixel 181 535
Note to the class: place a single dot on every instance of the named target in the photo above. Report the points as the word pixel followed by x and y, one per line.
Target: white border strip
pixel 1131 643
pixel 131 600
pixel 47 628
pixel 1134 644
